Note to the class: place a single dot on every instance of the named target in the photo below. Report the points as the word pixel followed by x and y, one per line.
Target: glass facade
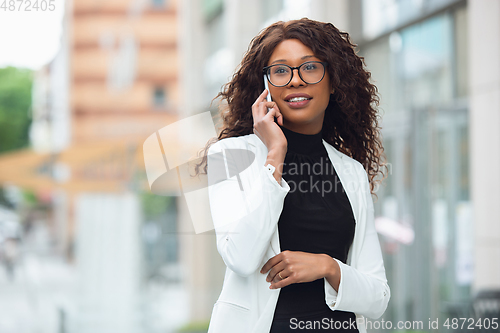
pixel 421 74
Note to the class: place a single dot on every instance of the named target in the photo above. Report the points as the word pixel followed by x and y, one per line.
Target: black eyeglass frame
pixel 265 72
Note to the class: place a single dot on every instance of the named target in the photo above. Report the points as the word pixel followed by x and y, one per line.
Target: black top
pixel 316 218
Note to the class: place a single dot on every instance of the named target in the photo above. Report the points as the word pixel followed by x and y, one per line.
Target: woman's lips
pixel 297 105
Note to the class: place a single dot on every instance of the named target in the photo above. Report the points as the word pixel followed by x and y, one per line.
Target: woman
pixel 291 199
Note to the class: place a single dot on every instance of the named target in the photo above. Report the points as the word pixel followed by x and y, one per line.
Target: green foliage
pixel 15 104
pixel 155 205
pixel 29 197
pixel 195 327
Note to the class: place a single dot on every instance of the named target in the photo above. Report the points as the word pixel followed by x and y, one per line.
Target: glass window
pixel 159 4
pixel 380 16
pixel 421 74
pixel 461 53
pixel 159 97
pixel 427 62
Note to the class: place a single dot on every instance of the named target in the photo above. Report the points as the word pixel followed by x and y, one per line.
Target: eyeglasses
pixel 310 72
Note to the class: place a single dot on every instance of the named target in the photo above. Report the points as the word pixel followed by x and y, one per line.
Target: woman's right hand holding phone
pixel 269 132
pixel 265 127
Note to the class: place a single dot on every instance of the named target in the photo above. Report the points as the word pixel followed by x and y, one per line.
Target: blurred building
pixel 425 59
pixel 124 68
pixel 112 84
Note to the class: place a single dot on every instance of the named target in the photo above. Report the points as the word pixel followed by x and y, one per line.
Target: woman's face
pixel 301 116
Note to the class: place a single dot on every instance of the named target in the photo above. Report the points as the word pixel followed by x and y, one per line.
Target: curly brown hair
pixel 351 120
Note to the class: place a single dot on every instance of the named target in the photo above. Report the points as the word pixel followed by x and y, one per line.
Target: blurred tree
pixel 155 205
pixel 15 104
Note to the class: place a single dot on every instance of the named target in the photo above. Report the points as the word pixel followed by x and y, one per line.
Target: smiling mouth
pixel 298 99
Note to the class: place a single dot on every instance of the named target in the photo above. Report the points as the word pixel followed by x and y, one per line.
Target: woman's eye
pixel 310 67
pixel 281 70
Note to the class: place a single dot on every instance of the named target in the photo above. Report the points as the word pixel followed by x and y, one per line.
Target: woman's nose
pixel 296 79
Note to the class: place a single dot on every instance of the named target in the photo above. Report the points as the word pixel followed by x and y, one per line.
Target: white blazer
pixel 245 211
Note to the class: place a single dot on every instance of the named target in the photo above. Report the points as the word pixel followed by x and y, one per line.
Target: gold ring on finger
pixel 279 274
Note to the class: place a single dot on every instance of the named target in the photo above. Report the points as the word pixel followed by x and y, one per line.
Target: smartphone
pixel 269 99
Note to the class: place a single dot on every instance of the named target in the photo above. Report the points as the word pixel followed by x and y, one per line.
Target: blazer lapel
pixel 346 170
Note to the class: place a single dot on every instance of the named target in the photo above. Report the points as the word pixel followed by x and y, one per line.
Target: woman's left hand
pixel 290 267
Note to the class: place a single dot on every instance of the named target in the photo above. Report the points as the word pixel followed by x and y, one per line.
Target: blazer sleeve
pixel 364 289
pixel 245 208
